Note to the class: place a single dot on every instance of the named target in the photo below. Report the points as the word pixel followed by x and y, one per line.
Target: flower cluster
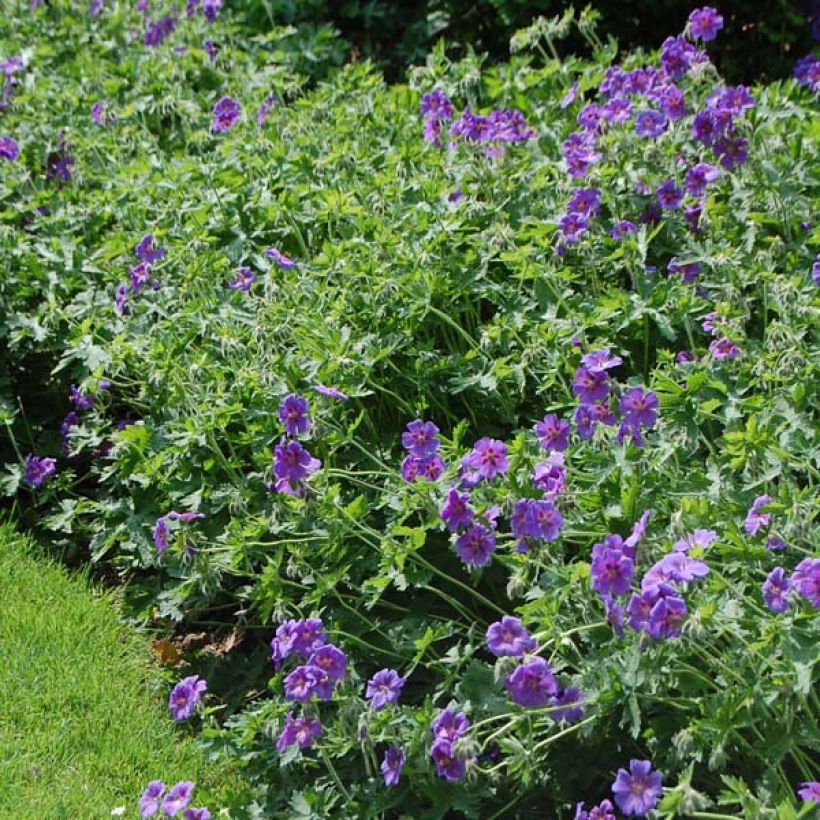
pixel 493 131
pixel 139 275
pixel 448 728
pixel 37 470
pixel 421 443
pixel 778 590
pixel 293 465
pixel 158 797
pixel 807 73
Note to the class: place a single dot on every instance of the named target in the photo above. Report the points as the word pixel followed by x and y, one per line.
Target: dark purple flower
pixel 622 229
pixel 95 8
pixel 393 763
pixel 650 124
pixel 698 177
pixel 509 638
pixel 451 768
pixel 815 271
pixel 617 110
pixel 245 277
pixel 82 401
pixel 283 261
pixel 732 152
pixel 456 512
pixel 810 792
pixel 775 544
pixel 532 683
pixel 476 546
pixel 191 7
pixel 684 357
pixel 688 271
pixel 573 226
pixel 210 49
pixel 550 476
pixel 704 24
pixel 120 299
pixel 805 581
pixel 776 590
pixel 200 813
pixel 293 466
pixel 737 101
pixel 669 195
pixel 658 611
pixel 450 725
pixel 178 798
pixel 185 696
pixel 302 731
pixel 383 688
pixel 59 163
pixel 585 421
pixel 552 433
pixel 585 201
pixel 638 790
pixel 428 467
pixel 673 103
pixel 140 275
pixel 151 798
pixel 590 386
pixel 211 8
pixel 9 149
pixel 589 117
pixel 675 568
pixel 571 702
pixel 294 413
pixel 156 33
pixel 226 114
pixel 603 811
pixel 706 128
pixel 677 56
pixel 437 106
pixel 756 520
pixel 487 460
pixel 37 470
pixel 306 681
pixel 545 521
pixel 611 570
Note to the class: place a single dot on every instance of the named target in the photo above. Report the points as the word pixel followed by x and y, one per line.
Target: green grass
pixel 83 723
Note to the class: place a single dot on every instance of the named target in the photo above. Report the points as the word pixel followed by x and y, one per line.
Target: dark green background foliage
pixel 761 41
pixel 461 313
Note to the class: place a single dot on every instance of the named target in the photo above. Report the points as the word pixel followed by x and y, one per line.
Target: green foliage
pixel 414 305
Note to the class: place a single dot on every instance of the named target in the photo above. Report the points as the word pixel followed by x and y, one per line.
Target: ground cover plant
pixel 82 722
pixel 470 424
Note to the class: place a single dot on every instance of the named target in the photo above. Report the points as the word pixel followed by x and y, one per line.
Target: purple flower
pixel 810 792
pixel 456 512
pixel 704 24
pixel 383 688
pixel 210 49
pixel 178 798
pixel 185 517
pixel 486 460
pixel 430 468
pixel 775 544
pixel 306 681
pixel 805 581
pixel 658 611
pixel 684 357
pixel 617 110
pixel 294 414
pixel 185 696
pixel 675 568
pixel 283 261
pixel 677 56
pixel 585 201
pixel 573 226
pixel 688 271
pixel 301 731
pixel 724 349
pixel 603 811
pixel 211 8
pixel 611 570
pixel 331 660
pixel 150 801
pixel 393 763
pixel 245 277
pixel 82 401
pixel 570 96
pixel 545 521
pixel 437 106
pixel 622 229
pixel 161 534
pixel 509 638
pixel 156 33
pixel 120 299
pixel 673 103
pixel 264 110
pixel 451 768
pixel 807 72
pixel 775 591
pixel 37 470
pixel 701 539
pixel 571 702
pixel 637 791
pixel 737 101
pixel 421 438
pixel 298 637
pixel 732 152
pixel 330 392
pixel 9 149
pixel 590 386
pixel 650 124
pixel 226 114
pixel 95 8
pixel 698 177
pixel 59 163
pixel 600 360
pixel 196 814
pixel 450 725
pixel 815 270
pixel 476 546
pixel 639 407
pixel 669 195
pixel 550 476
pixel 532 683
pixel 756 520
pixel 293 465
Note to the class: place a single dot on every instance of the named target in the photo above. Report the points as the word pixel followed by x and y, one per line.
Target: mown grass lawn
pixel 83 723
